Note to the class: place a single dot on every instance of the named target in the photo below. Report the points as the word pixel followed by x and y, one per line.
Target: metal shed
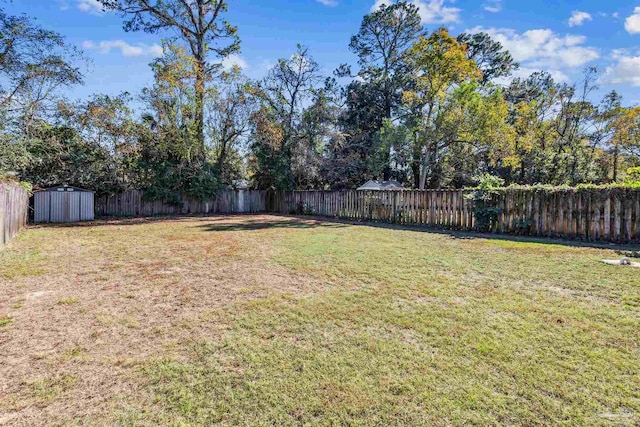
pixel 63 204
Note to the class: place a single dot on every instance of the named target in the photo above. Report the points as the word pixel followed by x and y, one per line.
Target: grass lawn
pixel 267 320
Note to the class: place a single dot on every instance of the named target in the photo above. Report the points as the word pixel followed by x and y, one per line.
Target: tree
pixel 624 125
pixel 558 132
pixel 532 103
pixel 443 75
pixel 381 45
pixel 199 24
pixel 489 56
pixel 62 156
pixel 107 122
pixel 171 103
pixel 34 64
pixel 171 160
pixel 572 130
pixel 229 122
pixel 277 130
pixel 356 154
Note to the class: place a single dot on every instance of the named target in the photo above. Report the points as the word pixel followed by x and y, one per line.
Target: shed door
pixel 73 206
pixel 41 207
pixel 58 206
pixel 86 206
pixel 64 206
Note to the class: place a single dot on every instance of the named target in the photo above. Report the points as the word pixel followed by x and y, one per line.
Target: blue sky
pixel 562 37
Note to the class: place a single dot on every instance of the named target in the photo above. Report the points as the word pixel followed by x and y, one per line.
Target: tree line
pixel 428 109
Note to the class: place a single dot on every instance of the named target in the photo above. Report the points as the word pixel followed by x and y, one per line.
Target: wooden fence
pixel 133 203
pixel 14 204
pixel 595 215
pixel 602 215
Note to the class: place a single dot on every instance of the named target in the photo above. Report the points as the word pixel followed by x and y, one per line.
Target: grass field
pixel 266 320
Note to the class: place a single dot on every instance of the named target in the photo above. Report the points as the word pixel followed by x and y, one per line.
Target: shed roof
pixel 381 185
pixel 67 188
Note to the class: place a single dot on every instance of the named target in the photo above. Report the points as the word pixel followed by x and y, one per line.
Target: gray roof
pixel 381 185
pixel 66 188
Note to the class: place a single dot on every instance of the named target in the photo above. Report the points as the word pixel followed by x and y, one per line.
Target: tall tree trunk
pixel 415 171
pixel 426 165
pixel 199 113
pixel 415 160
pixel 221 158
pixel 387 115
pixel 616 153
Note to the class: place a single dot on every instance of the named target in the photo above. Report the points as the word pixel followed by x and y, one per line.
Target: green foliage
pixel 489 182
pixel 64 157
pixel 33 62
pixel 26 185
pixel 483 196
pixel 303 209
pixel 284 129
pixel 10 178
pixel 14 155
pixel 203 183
pixel 489 54
pixel 633 176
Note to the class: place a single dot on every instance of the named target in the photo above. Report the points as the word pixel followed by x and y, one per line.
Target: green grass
pixel 5 320
pixel 47 389
pixel 262 321
pixel 68 301
pixel 428 330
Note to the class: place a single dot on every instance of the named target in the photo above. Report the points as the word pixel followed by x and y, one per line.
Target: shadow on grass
pixel 266 223
pixel 261 221
pixel 629 250
pixel 128 220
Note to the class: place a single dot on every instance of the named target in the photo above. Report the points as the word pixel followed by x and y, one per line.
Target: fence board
pixel 132 203
pixel 14 204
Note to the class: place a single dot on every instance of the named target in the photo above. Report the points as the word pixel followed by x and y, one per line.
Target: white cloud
pixel 379 3
pixel 106 46
pixel 234 60
pixel 493 6
pixel 431 11
pixel 542 48
pixel 328 2
pixel 90 6
pixel 578 17
pixel 624 70
pixel 632 23
pixel 434 11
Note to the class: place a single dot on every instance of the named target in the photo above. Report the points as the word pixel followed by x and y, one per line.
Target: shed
pixel 63 204
pixel 381 185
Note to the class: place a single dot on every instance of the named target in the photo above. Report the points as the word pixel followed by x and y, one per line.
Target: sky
pixel 562 37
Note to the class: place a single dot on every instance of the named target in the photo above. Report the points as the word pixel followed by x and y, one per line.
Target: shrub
pixel 483 196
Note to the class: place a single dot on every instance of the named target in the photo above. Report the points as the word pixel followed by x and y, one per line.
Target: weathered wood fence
pixel 604 214
pixel 133 203
pixel 599 215
pixel 14 203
